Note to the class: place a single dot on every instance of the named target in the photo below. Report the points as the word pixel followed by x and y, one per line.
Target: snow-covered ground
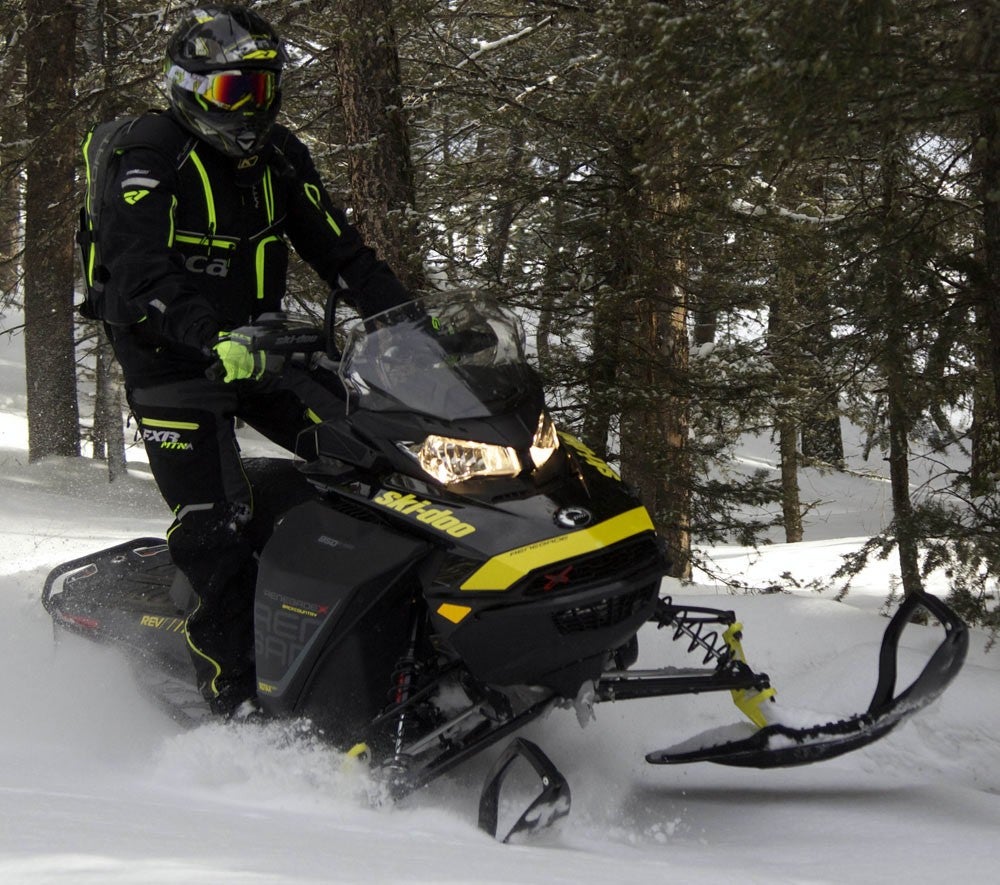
pixel 98 786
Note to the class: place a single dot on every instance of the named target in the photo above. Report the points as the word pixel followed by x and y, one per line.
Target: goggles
pixel 229 90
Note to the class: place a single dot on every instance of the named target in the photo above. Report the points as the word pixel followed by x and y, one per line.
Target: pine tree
pixel 50 359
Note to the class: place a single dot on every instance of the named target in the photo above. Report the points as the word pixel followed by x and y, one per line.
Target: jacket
pixel 194 242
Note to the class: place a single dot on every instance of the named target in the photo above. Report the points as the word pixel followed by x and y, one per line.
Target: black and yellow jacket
pixel 193 242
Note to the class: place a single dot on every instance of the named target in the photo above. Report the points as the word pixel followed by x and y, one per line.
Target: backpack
pixel 102 146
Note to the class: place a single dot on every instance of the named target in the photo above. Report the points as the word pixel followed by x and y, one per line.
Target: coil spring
pixel 403 676
pixel 701 634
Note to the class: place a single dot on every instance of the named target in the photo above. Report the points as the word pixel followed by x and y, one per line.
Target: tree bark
pixel 895 362
pixel 791 505
pixel 109 434
pixel 505 213
pixel 984 470
pixel 50 358
pixel 97 31
pixel 784 320
pixel 379 160
pixel 984 54
pixel 655 452
pixel 10 229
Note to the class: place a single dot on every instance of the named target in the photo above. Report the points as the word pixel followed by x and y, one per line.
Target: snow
pixel 98 786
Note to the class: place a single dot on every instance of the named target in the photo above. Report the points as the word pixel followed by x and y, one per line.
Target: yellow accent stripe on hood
pixel 506 569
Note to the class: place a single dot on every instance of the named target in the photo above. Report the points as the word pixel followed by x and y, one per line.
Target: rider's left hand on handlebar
pixel 238 361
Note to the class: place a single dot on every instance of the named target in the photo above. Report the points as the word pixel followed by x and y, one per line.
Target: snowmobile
pixel 442 565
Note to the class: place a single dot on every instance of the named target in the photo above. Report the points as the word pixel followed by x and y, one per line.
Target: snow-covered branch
pixel 756 210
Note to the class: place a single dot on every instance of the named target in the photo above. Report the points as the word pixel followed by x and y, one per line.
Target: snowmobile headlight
pixel 456 460
pixel 546 440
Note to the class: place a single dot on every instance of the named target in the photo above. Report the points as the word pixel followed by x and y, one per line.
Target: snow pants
pixel 188 429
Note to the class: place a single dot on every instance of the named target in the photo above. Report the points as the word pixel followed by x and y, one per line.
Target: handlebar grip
pixel 273 365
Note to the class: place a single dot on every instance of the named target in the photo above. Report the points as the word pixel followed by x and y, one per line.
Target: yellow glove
pixel 238 361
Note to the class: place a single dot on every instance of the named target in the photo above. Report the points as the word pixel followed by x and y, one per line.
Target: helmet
pixel 223 77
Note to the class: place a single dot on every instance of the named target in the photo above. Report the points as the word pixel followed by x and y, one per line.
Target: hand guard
pixel 238 361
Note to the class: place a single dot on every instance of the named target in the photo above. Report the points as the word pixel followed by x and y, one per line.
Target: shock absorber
pixel 696 625
pixel 725 649
pixel 403 679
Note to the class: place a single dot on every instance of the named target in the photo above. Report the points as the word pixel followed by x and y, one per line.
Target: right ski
pixel 778 745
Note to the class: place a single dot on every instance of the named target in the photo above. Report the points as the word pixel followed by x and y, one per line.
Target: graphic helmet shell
pixel 223 77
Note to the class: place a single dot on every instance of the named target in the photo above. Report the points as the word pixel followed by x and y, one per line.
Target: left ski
pixel 779 745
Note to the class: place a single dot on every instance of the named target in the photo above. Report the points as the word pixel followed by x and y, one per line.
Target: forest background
pixel 716 219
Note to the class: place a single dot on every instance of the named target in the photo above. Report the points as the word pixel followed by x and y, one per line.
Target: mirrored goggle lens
pixel 234 89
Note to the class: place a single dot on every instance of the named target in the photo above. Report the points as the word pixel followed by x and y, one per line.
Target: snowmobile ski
pixel 546 808
pixel 777 745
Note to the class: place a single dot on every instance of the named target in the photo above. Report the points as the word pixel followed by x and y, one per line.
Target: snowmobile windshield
pixel 447 356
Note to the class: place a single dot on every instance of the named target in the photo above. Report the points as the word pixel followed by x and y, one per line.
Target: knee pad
pixel 209 527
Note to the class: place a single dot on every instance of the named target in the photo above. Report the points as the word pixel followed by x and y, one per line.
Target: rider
pixel 194 246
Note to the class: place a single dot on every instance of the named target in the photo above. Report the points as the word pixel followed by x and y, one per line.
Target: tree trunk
pixel 791 505
pixel 706 325
pixel 379 160
pixel 505 212
pixel 984 470
pixel 895 363
pixel 602 371
pixel 109 434
pixel 10 229
pixel 655 419
pixel 655 452
pixel 98 32
pixel 50 359
pixel 899 473
pixel 984 51
pixel 552 280
pixel 785 346
pixel 989 186
pixel 674 498
pixel 822 438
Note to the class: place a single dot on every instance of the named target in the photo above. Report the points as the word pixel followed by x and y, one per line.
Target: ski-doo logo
pixel 442 520
pixel 292 339
pixel 166 439
pixel 588 455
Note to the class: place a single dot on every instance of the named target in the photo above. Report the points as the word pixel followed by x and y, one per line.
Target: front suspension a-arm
pixel 701 628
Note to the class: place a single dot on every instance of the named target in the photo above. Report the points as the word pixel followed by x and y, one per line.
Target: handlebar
pixel 275 333
pixel 277 336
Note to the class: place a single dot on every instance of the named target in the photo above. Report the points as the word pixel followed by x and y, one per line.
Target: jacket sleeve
pixel 145 278
pixel 322 235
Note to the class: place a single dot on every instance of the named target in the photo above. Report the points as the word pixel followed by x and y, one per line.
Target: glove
pixel 238 361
